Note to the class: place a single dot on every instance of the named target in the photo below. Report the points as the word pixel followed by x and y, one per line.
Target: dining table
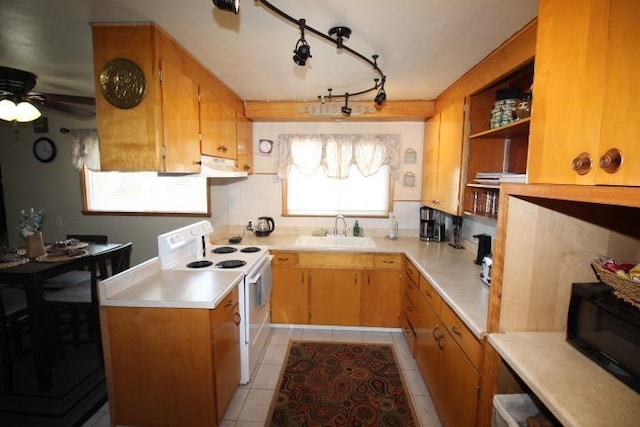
pixel 33 275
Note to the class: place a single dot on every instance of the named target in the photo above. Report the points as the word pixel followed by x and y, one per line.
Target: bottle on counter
pixel 393 228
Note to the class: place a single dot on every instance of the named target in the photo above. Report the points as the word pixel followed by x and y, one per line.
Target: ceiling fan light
pixel 26 112
pixel 7 110
pixel 228 5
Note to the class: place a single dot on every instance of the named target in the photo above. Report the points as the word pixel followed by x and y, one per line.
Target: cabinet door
pixel 450 157
pixel 460 386
pixel 245 144
pixel 621 110
pixel 217 126
pixel 380 298
pixel 290 295
pixel 568 89
pixel 430 161
pixel 180 124
pixel 428 354
pixel 334 296
pixel 226 344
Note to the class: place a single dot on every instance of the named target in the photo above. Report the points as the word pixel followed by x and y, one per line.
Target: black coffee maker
pixel 484 247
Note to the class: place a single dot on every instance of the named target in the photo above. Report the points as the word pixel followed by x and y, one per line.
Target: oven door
pixel 258 320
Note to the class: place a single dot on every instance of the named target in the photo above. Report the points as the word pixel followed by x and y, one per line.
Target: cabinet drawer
pixel 285 258
pixel 412 272
pixel 335 260
pixel 390 261
pixel 409 310
pixel 462 335
pixel 431 295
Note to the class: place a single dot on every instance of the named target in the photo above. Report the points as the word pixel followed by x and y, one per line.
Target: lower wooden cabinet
pixel 380 293
pixel 170 366
pixel 334 296
pixel 446 368
pixel 331 288
pixel 290 295
pixel 226 351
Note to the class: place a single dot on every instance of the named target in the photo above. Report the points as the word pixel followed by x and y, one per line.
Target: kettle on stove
pixel 263 226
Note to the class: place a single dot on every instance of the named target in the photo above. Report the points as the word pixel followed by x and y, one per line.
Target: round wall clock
pixel 265 146
pixel 44 149
pixel 122 83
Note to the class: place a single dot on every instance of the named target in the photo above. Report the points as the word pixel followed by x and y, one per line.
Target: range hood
pixel 215 167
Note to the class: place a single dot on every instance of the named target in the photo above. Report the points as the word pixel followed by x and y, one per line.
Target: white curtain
pixel 336 153
pixel 85 148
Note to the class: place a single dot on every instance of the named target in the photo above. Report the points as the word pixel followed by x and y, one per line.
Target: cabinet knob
pixel 222 148
pixel 611 161
pixel 581 164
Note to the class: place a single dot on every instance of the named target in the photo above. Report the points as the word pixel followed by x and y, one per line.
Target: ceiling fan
pixel 17 98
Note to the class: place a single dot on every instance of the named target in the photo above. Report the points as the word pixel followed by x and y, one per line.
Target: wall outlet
pixel 59 221
pixel 249 225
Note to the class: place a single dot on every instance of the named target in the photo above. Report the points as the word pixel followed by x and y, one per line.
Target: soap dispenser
pixel 357 231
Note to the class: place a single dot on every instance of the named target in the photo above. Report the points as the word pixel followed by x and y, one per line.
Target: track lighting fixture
pixel 346 110
pixel 228 5
pixel 380 97
pixel 302 52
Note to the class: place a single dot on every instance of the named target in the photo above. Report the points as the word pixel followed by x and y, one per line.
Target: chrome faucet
pixel 337 233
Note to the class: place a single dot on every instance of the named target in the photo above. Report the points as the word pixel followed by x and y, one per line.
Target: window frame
pixel 159 213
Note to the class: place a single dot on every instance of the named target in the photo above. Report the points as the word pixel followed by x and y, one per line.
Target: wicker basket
pixel 625 289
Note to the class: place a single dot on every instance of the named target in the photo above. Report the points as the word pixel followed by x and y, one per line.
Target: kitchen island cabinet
pixel 585 97
pixel 171 366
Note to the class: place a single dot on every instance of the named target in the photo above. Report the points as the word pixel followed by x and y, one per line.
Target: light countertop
pixel 147 285
pixel 452 272
pixel 575 389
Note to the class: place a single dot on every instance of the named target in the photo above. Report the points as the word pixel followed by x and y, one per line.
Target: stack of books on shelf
pixel 495 178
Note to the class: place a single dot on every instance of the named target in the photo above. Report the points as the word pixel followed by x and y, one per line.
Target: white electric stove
pixel 188 248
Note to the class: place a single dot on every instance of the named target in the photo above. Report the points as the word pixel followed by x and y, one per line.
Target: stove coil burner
pixel 199 264
pixel 250 249
pixel 231 263
pixel 223 250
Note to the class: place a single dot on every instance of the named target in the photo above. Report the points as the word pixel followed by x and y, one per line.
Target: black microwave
pixel 607 330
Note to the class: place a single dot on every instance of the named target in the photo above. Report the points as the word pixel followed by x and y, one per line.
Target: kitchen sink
pixel 332 242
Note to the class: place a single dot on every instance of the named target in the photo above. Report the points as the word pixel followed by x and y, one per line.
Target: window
pixel 144 192
pixel 325 175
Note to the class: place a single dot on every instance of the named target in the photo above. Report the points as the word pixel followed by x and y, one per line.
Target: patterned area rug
pixel 341 384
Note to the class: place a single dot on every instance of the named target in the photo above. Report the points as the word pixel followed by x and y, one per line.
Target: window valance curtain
pixel 336 153
pixel 85 149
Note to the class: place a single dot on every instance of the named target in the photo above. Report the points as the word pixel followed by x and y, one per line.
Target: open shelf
pixel 513 130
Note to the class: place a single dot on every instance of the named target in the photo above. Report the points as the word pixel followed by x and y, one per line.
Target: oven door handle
pixel 255 279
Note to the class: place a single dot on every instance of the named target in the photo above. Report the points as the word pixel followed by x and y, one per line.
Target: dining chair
pixel 82 298
pixel 13 320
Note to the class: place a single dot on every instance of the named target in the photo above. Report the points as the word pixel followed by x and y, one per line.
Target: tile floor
pixel 251 402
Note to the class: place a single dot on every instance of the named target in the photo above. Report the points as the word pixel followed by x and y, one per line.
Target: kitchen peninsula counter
pixel 452 272
pixel 147 285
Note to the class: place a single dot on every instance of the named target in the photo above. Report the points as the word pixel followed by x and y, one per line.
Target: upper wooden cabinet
pixel 162 132
pixel 244 133
pixel 441 168
pixel 217 126
pixel 585 97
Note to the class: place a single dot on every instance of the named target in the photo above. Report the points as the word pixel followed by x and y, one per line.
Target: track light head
pixel 380 97
pixel 346 110
pixel 228 5
pixel 302 52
